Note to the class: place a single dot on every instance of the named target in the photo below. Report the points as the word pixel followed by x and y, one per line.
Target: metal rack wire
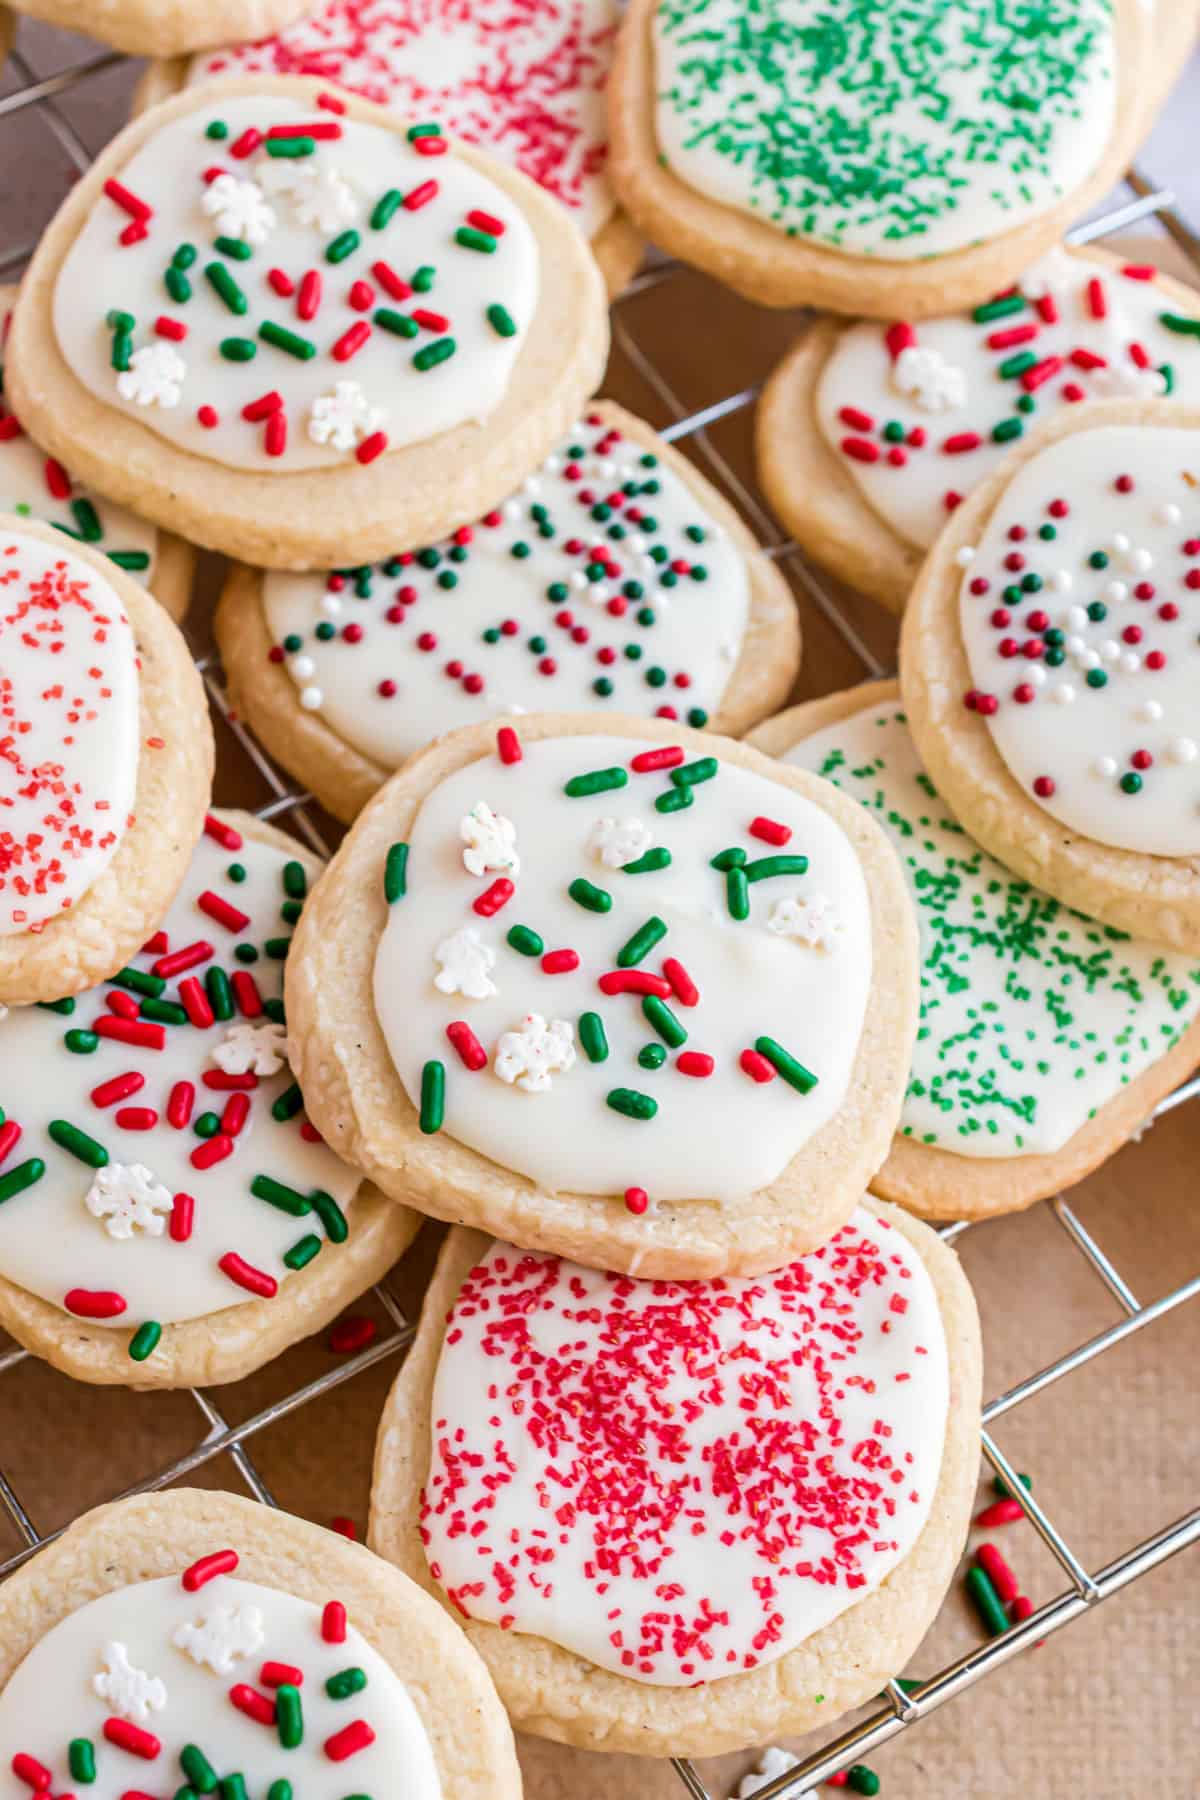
pixel 1084 1588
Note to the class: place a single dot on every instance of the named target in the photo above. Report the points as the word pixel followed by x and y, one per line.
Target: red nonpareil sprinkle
pixel 485 221
pixel 352 1334
pixel 1044 787
pixel 647 761
pixel 1097 299
pixel 636 1200
pixel 127 200
pixel 508 745
pixel 275 436
pixel 422 195
pixel 245 992
pixel 770 830
pixel 223 834
pixel 10 1132
pixel 136 1118
pixel 219 909
pixel 174 329
pixel 1040 373
pixel 961 442
pixel 279 1674
pixel 194 1001
pixel 349 1740
pixel 177 962
pixel 344 1527
pixel 142 1032
pixel 94 1303
pixel 208 416
pixel 696 1063
pixel 207 1568
pixel 856 418
pixel 756 1066
pixel 860 449
pixel 118 1088
pixel 371 447
pixel 308 299
pixel 57 479
pixel 211 1151
pixel 494 897
pixel 255 1281
pixel 247 144
pixel 560 962
pixel 333 1622
pixel 351 341
pixel 471 1052
pixel 634 981
pixel 28 1769
pixel 1000 1512
pixel 282 283
pixel 183 1214
pixel 224 1083
pixel 998 1572
pixel 390 282
pixel 682 985
pixel 255 411
pixel 898 338
pixel 235 1114
pixel 256 1706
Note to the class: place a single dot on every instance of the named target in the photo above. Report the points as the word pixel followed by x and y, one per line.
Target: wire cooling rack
pixel 1084 1588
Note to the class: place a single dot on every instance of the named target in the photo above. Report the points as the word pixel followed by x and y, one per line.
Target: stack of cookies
pixel 682 1006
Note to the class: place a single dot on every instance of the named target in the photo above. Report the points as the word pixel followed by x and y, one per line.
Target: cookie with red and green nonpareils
pixel 1049 665
pixel 167 1213
pixel 528 86
pixel 759 1485
pixel 565 948
pixel 105 763
pixel 1046 1039
pixel 746 140
pixel 201 1639
pixel 615 578
pixel 871 435
pixel 304 329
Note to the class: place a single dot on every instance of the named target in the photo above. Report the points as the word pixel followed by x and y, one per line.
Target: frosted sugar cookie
pixel 198 1638
pixel 168 1217
pixel 528 86
pixel 632 993
pixel 105 763
pixel 615 577
pixel 1045 1039
pixel 299 334
pixel 166 27
pixel 1049 664
pixel 869 435
pixel 873 162
pixel 36 486
pixel 759 1487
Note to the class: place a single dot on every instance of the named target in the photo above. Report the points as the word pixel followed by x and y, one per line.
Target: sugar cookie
pixel 490 994
pixel 1049 665
pixel 704 1634
pixel 870 435
pixel 1045 1040
pixel 168 1217
pixel 7 23
pixel 526 86
pixel 298 336
pixel 106 773
pixel 201 1638
pixel 33 485
pixel 890 204
pixel 166 27
pixel 616 576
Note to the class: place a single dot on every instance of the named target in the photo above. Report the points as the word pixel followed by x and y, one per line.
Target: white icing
pixel 1032 1017
pixel 469 628
pixel 910 496
pixel 752 982
pixel 50 1242
pixel 527 85
pixel 680 1481
pixel 68 729
pixel 51 1698
pixel 100 274
pixel 1120 647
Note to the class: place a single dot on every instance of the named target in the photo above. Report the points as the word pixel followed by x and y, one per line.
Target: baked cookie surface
pixel 615 577
pixel 303 333
pixel 752 143
pixel 166 27
pixel 169 1217
pixel 543 965
pixel 198 1637
pixel 728 1603
pixel 529 87
pixel 1045 1039
pixel 870 435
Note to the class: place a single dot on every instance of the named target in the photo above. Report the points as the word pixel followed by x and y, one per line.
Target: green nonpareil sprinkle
pixel 81 1043
pixel 593 1037
pixel 289 1716
pixel 144 1341
pixel 433 1097
pixel 395 874
pixel 302 348
pixel 199 1771
pixel 302 1252
pixel 688 774
pixel 275 1193
pixel 646 864
pixel 651 1056
pixel 501 320
pixel 234 248
pixel 631 1104
pixel 87 519
pixel 398 323
pixel 238 349
pixel 385 208
pixel 737 893
pixel 764 868
pixel 139 982
pixel 77 1143
pixel 289 1103
pixel 595 781
pixel 217 130
pixel 130 559
pixel 659 1015
pixel 676 799
pixel 331 1216
pixel 471 239
pixel 785 1064
pixel 226 288
pixel 525 941
pixel 639 946
pixel 343 245
pixel 345 1683
pixel 589 896
pixel 81 1759
pixel 290 147
pixel 207 1125
pixel 23 1176
pixel 432 354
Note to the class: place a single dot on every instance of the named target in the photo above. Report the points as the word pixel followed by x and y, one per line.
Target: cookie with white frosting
pixel 870 436
pixel 200 1639
pixel 615 577
pixel 627 992
pixel 758 1488
pixel 746 140
pixel 1046 1039
pixel 1049 661
pixel 106 768
pixel 296 328
pixel 168 1215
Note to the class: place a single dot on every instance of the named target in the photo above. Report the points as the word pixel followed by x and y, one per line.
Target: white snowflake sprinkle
pixel 155 377
pixel 219 1637
pixel 814 922
pixel 773 1763
pixel 619 841
pixel 491 842
pixel 240 209
pixel 319 195
pixel 534 1052
pixel 252 1049
pixel 464 965
pixel 130 1692
pixel 343 418
pixel 929 380
pixel 128 1197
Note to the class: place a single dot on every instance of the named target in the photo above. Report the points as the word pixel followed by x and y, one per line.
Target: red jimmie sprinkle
pixel 470 1051
pixel 485 221
pixel 245 992
pixel 128 201
pixel 194 1001
pixel 351 1334
pixel 344 1527
pixel 124 1005
pixel 255 411
pixel 351 341
pixel 136 1118
pixel 430 146
pixel 57 479
pixel 430 321
pixel 682 985
pixel 10 1133
pixel 235 1114
pixel 422 195
pixel 275 435
pixel 223 834
pixel 647 761
pixel 312 128
pixel 1000 1512
pixel 247 144
pixel 756 1066
pixel 998 1572
pixel 119 1088
pixel 860 449
pixel 333 1622
pixel 127 1736
pixel 282 283
pixel 256 1706
pixel 508 745
pixel 255 1281
pixel 174 329
pixel 221 1083
pixel 28 1769
pixel 213 1150
pixel 180 1102
pixel 280 1674
pixel 493 898
pixel 390 282
pixel 207 1568
pixel 371 447
pixel 349 1740
pixel 142 1032
pixel 183 1213
pixel 89 1303
pixel 560 962
pixel 696 1063
pixel 634 981
pixel 770 830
